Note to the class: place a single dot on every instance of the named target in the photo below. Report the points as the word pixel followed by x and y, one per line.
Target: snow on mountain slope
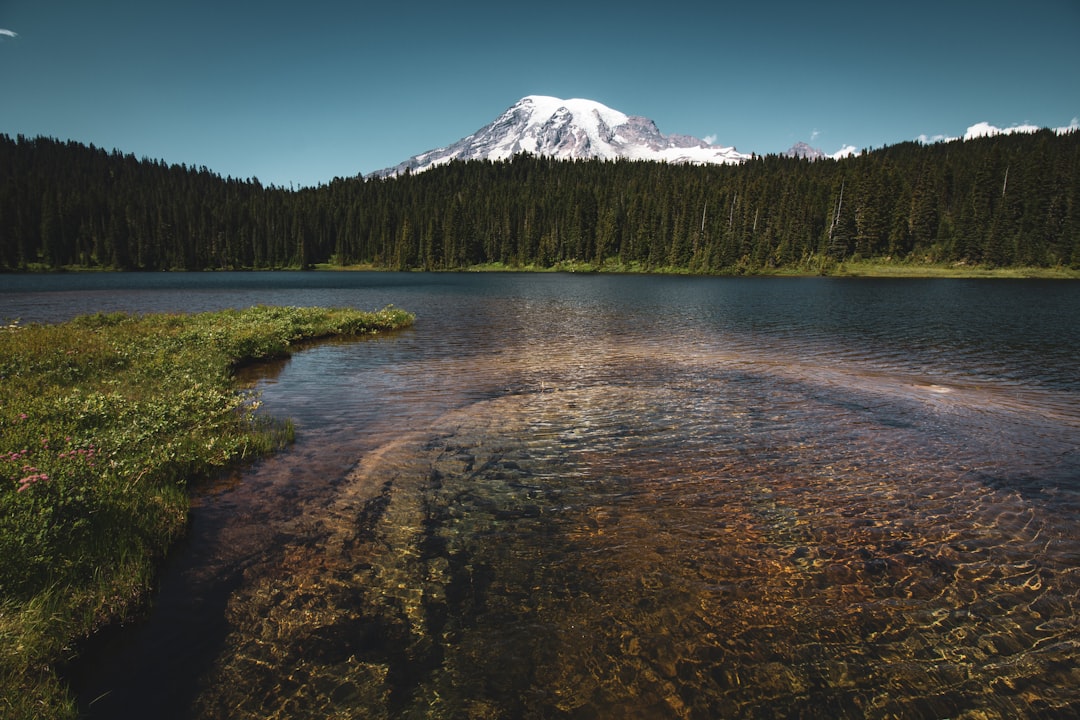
pixel 570 129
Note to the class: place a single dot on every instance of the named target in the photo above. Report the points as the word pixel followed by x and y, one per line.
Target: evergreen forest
pixel 1008 200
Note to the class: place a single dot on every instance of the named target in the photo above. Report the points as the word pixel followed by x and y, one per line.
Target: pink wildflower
pixel 30 480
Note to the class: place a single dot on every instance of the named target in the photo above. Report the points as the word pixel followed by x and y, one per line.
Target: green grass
pixel 881 268
pixel 813 266
pixel 104 422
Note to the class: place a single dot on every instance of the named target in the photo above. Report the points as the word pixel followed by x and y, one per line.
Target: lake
pixel 564 496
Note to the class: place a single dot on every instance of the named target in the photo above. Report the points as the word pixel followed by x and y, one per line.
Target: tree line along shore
pixel 961 208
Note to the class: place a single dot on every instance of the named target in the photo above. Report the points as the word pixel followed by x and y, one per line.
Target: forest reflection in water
pixel 638 535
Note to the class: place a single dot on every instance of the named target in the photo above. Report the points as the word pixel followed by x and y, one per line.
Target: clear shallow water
pixel 563 496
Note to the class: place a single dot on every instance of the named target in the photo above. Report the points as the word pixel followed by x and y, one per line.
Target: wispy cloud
pixel 710 139
pixel 814 134
pixel 846 151
pixel 9 33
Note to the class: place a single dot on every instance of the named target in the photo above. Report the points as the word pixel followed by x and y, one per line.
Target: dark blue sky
pixel 303 92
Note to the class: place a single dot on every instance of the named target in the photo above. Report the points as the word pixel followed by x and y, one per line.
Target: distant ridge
pixel 803 150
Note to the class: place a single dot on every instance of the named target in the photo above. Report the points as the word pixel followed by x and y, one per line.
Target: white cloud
pixel 846 151
pixel 981 129
pixel 985 129
pixel 710 139
pixel 814 134
pixel 9 33
pixel 930 139
pixel 1074 125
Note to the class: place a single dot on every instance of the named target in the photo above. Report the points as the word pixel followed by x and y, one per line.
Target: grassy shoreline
pixel 105 420
pixel 871 268
pixel 812 267
pixel 851 268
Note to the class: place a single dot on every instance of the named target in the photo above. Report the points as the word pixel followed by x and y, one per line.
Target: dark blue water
pixel 1005 330
pixel 564 496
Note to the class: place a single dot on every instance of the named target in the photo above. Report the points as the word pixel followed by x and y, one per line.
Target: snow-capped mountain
pixel 570 129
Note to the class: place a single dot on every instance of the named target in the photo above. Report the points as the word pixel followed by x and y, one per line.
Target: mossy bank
pixel 105 421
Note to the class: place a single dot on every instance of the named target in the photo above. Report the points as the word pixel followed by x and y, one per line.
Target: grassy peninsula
pixel 104 422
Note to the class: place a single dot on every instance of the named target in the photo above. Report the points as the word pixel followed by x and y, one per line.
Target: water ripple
pixel 707 541
pixel 628 497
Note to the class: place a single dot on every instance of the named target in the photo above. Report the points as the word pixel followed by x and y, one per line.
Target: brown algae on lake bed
pixel 661 550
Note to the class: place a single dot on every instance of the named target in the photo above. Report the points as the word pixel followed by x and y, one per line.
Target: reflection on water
pixel 645 498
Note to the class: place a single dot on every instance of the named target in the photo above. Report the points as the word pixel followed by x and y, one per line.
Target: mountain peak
pixel 575 129
pixel 542 106
pixel 803 150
